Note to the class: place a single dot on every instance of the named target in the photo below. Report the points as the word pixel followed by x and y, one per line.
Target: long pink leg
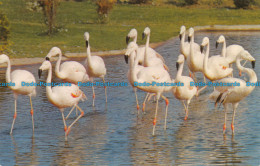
pixel 166 111
pixel 155 116
pixel 15 114
pixel 145 101
pixel 224 126
pixel 105 89
pixel 32 113
pixel 233 118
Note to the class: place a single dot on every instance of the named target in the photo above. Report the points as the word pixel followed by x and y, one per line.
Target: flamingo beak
pixel 201 48
pixel 39 73
pixel 143 36
pixel 47 59
pixel 177 66
pixel 86 43
pixel 127 39
pixel 189 38
pixel 253 64
pixel 126 59
pixel 180 36
pixel 216 44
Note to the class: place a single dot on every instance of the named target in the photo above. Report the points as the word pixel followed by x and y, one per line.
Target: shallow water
pixel 114 134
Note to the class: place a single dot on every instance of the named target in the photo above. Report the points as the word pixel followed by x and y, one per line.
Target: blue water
pixel 114 134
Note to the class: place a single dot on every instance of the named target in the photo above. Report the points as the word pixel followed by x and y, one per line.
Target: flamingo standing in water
pixel 95 67
pixel 62 96
pixel 17 77
pixel 234 94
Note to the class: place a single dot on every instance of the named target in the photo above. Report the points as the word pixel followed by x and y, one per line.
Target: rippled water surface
pixel 114 134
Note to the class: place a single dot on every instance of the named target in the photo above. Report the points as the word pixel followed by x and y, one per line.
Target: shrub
pixel 191 2
pixel 139 1
pixel 103 9
pixel 243 3
pixel 4 33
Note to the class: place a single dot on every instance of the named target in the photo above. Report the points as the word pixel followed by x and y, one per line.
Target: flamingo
pixel 69 71
pixel 153 76
pixel 95 67
pixel 62 96
pixel 185 92
pixel 230 52
pixel 234 94
pixel 185 46
pixel 141 49
pixel 195 59
pixel 215 67
pixel 17 77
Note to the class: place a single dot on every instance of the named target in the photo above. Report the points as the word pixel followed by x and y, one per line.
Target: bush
pixel 103 9
pixel 243 3
pixel 139 1
pixel 4 33
pixel 191 2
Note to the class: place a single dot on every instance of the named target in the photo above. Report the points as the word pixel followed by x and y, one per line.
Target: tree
pixel 4 33
pixel 103 9
pixel 243 3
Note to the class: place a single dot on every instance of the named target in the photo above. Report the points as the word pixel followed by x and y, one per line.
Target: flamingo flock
pixel 147 67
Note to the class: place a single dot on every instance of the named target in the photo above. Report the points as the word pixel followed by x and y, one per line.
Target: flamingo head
pixel 205 42
pixel 221 39
pixel 86 37
pixel 180 60
pixel 191 33
pixel 132 46
pixel 146 32
pixel 53 52
pixel 182 31
pixel 3 58
pixel 245 55
pixel 131 34
pixel 46 65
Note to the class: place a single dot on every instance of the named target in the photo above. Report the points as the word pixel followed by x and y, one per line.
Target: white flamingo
pixel 153 75
pixel 141 50
pixel 195 59
pixel 215 67
pixel 234 94
pixel 69 71
pixel 230 52
pixel 95 67
pixel 62 96
pixel 185 46
pixel 17 77
pixel 185 92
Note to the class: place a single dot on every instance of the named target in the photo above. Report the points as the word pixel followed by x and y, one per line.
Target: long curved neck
pixel 134 72
pixel 48 88
pixel 223 52
pixel 191 49
pixel 8 72
pixel 135 39
pixel 205 62
pixel 57 67
pixel 88 56
pixel 179 72
pixel 182 43
pixel 250 72
pixel 146 49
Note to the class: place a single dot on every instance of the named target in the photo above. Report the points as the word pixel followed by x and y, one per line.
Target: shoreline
pixel 39 60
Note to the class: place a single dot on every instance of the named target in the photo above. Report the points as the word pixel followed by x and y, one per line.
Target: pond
pixel 114 134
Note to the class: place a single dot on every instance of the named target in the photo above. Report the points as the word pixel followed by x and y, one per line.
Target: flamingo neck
pixel 205 62
pixel 88 56
pixel 8 72
pixel 250 72
pixel 191 49
pixel 57 67
pixel 48 81
pixel 182 44
pixel 223 52
pixel 135 39
pixel 146 50
pixel 179 72
pixel 134 72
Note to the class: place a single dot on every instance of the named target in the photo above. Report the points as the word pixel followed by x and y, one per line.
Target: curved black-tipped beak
pixel 86 43
pixel 126 59
pixel 216 44
pixel 177 66
pixel 127 39
pixel 143 36
pixel 189 38
pixel 47 59
pixel 201 48
pixel 39 73
pixel 253 64
pixel 180 36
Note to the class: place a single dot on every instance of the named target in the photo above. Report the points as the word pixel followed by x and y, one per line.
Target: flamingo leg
pixel 105 88
pixel 32 113
pixel 185 108
pixel 136 99
pixel 244 63
pixel 70 112
pixel 145 101
pixel 64 122
pixel 81 114
pixel 233 118
pixel 155 116
pixel 93 102
pixel 224 126
pixel 15 114
pixel 166 111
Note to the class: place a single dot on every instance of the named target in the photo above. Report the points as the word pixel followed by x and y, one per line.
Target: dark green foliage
pixel 4 33
pixel 243 3
pixel 191 2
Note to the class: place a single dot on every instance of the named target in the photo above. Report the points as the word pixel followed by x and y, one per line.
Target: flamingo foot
pixel 143 107
pixel 186 117
pixel 224 128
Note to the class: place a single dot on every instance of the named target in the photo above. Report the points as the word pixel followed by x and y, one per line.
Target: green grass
pixel 28 31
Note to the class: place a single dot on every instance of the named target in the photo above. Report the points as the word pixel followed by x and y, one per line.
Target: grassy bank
pixel 28 33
